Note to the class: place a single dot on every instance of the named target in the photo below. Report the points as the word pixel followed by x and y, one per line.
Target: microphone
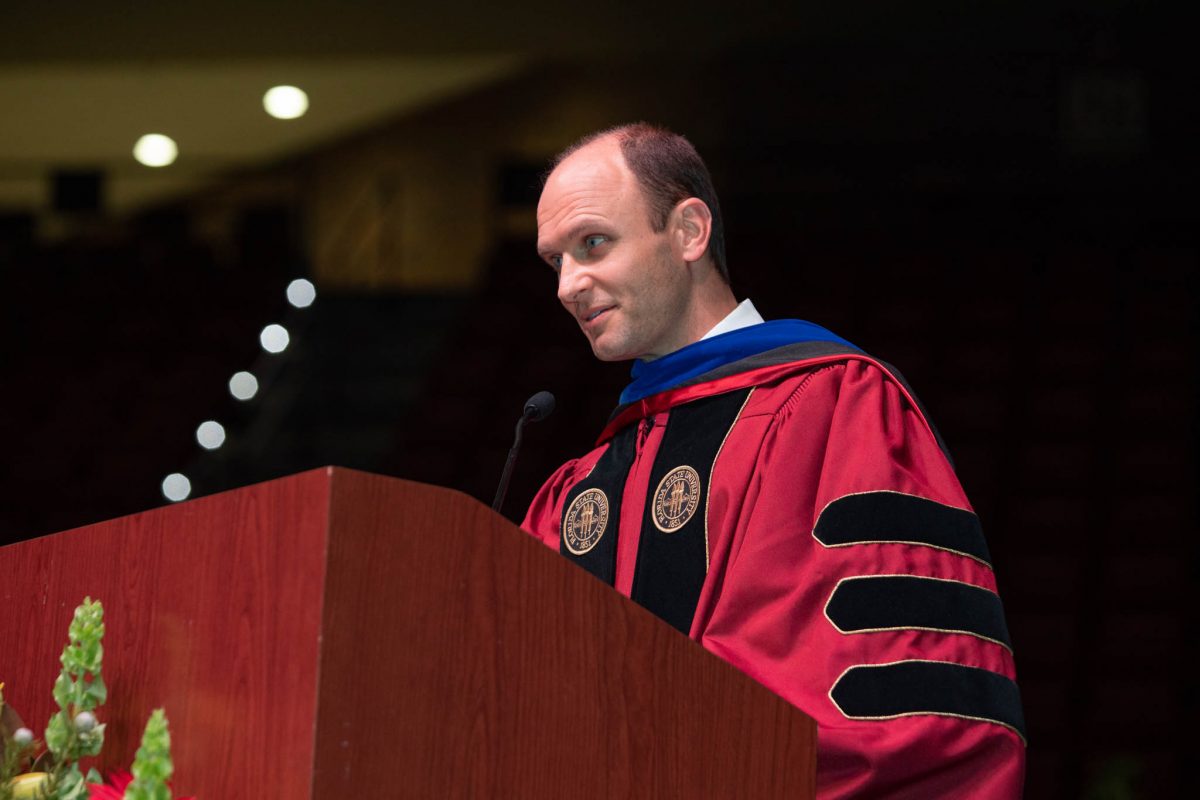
pixel 537 408
pixel 540 406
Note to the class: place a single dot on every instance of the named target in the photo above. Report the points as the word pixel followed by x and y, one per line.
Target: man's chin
pixel 604 356
pixel 606 352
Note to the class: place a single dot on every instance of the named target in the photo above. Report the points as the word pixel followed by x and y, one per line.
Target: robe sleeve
pixel 544 516
pixel 857 586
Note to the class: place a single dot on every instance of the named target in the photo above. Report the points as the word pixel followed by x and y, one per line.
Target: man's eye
pixel 595 241
pixel 556 262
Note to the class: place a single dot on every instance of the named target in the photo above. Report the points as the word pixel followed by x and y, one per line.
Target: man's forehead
pixel 591 176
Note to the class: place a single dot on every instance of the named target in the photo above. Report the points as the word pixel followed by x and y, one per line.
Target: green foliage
pixel 8 767
pixel 152 767
pixel 11 765
pixel 70 785
pixel 17 747
pixel 72 732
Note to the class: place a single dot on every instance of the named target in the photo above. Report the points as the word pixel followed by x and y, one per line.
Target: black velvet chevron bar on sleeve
pixel 873 517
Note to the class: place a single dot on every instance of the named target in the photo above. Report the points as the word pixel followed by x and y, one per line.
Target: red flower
pixel 114 789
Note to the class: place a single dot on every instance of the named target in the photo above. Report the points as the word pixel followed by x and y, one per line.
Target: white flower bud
pixel 22 737
pixel 85 721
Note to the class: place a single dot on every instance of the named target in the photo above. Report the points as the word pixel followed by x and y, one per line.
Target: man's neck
pixel 711 302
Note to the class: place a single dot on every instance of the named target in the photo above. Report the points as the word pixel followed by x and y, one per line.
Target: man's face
pixel 623 283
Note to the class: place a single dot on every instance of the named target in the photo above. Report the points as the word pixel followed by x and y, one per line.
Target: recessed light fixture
pixel 155 150
pixel 243 385
pixel 274 338
pixel 301 293
pixel 210 434
pixel 176 487
pixel 285 102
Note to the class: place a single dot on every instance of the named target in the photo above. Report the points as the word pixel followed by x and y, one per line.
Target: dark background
pixel 1000 203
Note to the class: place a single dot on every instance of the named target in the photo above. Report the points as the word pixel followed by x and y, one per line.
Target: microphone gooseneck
pixel 537 408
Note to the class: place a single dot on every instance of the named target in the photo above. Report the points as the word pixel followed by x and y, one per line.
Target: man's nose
pixel 572 281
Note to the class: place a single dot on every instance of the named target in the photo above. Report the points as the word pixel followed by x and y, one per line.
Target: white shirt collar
pixel 743 316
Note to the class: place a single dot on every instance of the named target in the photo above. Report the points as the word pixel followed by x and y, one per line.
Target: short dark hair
pixel 668 169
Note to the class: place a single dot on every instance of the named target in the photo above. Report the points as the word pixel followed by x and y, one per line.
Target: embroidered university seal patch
pixel 676 498
pixel 585 521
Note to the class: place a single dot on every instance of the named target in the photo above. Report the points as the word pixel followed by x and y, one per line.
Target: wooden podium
pixel 336 634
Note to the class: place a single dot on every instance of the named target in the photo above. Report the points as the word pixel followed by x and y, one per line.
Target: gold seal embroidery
pixel 676 499
pixel 585 521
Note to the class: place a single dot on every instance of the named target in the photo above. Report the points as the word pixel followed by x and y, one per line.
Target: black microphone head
pixel 539 406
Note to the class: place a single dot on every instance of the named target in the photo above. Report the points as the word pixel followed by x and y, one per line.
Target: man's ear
pixel 692 226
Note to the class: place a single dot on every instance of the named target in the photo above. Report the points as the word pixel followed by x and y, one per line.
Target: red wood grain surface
pixel 212 610
pixel 464 659
pixel 337 634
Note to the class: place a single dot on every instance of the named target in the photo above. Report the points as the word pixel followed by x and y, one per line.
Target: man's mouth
pixel 597 314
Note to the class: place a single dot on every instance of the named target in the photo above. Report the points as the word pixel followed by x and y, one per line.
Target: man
pixel 772 491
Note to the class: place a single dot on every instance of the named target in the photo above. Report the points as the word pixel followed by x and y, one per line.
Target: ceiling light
pixel 285 102
pixel 210 434
pixel 243 385
pixel 301 293
pixel 155 150
pixel 176 487
pixel 274 338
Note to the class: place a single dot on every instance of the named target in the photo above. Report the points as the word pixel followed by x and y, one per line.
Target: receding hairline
pixel 607 139
pixel 666 169
pixel 629 180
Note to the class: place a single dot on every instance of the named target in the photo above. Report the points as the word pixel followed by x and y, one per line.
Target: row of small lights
pixel 281 102
pixel 243 386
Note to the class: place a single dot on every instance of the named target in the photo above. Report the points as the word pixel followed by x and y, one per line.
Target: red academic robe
pixel 801 521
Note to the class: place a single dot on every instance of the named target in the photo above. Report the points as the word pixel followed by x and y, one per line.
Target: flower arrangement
pixel 74 733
